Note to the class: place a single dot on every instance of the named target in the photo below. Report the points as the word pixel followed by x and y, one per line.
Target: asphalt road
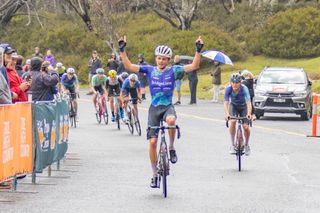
pixel 108 170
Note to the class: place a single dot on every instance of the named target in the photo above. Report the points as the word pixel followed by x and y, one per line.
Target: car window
pixel 283 77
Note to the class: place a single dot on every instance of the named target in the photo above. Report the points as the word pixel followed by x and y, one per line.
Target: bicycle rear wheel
pixel 75 120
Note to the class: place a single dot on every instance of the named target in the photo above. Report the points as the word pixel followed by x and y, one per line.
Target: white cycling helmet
pixel 59 64
pixel 163 50
pixel 133 77
pixel 70 70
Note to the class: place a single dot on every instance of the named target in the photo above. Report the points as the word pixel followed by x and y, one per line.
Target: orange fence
pixel 314 115
pixel 15 140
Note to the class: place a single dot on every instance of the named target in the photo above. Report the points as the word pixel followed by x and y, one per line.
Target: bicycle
pixel 72 112
pixel 101 109
pixel 133 119
pixel 163 159
pixel 239 145
pixel 117 108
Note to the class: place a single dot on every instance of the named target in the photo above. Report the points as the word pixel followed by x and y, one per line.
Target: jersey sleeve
pixel 124 85
pixel 63 78
pixel 145 68
pixel 93 80
pixel 227 93
pixel 138 84
pixel 246 94
pixel 76 81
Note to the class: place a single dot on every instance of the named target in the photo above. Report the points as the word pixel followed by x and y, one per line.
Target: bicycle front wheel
pixel 138 127
pixel 130 125
pixel 164 175
pixel 105 115
pixel 118 120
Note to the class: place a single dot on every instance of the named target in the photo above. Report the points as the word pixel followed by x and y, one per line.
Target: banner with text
pixel 15 140
pixel 51 129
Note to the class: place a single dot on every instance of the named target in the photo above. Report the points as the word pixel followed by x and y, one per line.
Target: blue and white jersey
pixel 161 83
pixel 240 98
pixel 126 87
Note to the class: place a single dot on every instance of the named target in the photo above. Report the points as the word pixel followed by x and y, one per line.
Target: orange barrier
pixel 314 115
pixel 15 140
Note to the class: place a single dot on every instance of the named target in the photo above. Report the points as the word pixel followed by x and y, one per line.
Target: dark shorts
pixel 99 89
pixel 116 88
pixel 72 91
pixel 240 111
pixel 155 115
pixel 133 94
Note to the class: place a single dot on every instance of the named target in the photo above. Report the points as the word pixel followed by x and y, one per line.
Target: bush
pixel 292 34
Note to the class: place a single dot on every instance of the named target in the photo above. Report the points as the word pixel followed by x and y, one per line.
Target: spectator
pixel 113 63
pixel 248 81
pixel 5 94
pixel 94 64
pixel 44 80
pixel 17 86
pixel 5 48
pixel 37 53
pixel 142 77
pixel 178 81
pixel 26 67
pixel 49 57
pixel 121 68
pixel 193 82
pixel 216 80
pixel 19 60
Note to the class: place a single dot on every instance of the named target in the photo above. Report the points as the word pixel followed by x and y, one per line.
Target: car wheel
pixel 305 116
pixel 258 116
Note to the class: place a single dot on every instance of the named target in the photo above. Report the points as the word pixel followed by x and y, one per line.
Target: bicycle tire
pixel 75 121
pixel 118 120
pixel 138 127
pixel 164 175
pixel 105 114
pixel 239 158
pixel 130 125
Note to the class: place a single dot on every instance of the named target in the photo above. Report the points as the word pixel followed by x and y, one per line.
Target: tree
pixel 179 13
pixel 9 9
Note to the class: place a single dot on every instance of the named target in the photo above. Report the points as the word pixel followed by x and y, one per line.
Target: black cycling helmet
pixel 235 78
pixel 124 75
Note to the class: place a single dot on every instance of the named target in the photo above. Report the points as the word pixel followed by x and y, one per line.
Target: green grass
pixel 254 64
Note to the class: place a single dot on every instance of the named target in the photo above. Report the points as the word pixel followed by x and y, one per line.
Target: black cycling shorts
pixel 99 89
pixel 72 91
pixel 156 114
pixel 133 95
pixel 240 111
pixel 116 88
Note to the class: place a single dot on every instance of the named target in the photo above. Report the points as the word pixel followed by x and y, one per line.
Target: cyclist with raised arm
pixel 70 84
pixel 161 80
pixel 237 103
pixel 131 86
pixel 113 86
pixel 98 83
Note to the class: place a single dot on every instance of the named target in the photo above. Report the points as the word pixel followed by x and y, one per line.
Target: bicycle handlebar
pixel 166 127
pixel 238 119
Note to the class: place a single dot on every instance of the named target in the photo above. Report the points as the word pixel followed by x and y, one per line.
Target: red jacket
pixel 15 82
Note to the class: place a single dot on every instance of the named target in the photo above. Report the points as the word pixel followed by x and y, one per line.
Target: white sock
pixel 232 140
pixel 154 169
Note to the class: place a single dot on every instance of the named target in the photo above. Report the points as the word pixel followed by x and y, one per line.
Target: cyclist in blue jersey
pixel 70 83
pixel 237 103
pixel 131 86
pixel 161 80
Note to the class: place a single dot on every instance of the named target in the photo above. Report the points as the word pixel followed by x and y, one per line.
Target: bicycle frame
pixel 162 158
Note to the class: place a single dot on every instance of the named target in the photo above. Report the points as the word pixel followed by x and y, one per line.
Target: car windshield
pixel 282 77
